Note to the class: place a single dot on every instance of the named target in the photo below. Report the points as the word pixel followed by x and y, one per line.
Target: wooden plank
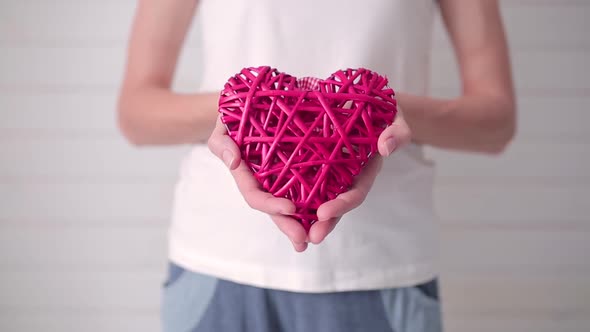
pixel 86 114
pixel 66 322
pixel 535 73
pixel 91 69
pixel 127 248
pixel 74 301
pixel 25 23
pixel 520 162
pixel 540 25
pixel 26 157
pixel 80 69
pixel 50 22
pixel 113 248
pixel 36 67
pixel 501 252
pixel 58 114
pixel 23 321
pixel 112 293
pixel 142 198
pixel 506 204
pixel 530 297
pixel 515 324
pixel 100 159
pixel 538 118
pixel 102 292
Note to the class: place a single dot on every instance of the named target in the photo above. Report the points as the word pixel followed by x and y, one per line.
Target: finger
pixel 351 199
pixel 394 136
pixel 223 146
pixel 292 229
pixel 256 197
pixel 320 229
pixel 300 247
pixel 340 205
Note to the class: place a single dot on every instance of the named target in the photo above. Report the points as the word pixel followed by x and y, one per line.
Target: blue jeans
pixel 201 303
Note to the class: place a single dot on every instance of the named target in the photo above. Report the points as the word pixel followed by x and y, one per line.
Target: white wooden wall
pixel 83 215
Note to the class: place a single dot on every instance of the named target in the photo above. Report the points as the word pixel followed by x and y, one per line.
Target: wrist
pixel 203 115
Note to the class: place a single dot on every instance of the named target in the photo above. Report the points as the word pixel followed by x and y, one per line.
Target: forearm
pixel 472 123
pixel 157 116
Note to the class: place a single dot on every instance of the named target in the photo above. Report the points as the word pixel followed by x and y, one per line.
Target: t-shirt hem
pixel 304 281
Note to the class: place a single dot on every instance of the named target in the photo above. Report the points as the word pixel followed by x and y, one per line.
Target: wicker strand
pixel 306 139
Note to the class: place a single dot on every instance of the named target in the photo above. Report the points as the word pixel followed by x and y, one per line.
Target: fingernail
pixel 389 145
pixel 227 157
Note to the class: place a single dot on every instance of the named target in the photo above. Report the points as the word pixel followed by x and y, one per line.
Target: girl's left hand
pixel 329 213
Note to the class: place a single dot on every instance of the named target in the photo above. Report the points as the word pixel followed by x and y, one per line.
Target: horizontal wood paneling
pixel 24 159
pixel 508 253
pixel 124 248
pixel 140 199
pixel 76 116
pixel 39 114
pixel 83 215
pixel 73 69
pixel 96 322
pixel 524 160
pixel 84 292
pixel 99 158
pixel 96 248
pixel 515 324
pixel 26 69
pixel 87 201
pixel 49 23
pixel 512 203
pixel 540 25
pixel 131 309
pixel 553 119
pixel 535 73
pixel 531 297
pixel 68 320
pixel 136 293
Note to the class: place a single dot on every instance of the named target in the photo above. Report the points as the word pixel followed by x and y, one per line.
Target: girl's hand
pixel 278 209
pixel 329 213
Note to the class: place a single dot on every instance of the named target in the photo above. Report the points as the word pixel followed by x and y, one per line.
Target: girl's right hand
pixel 279 209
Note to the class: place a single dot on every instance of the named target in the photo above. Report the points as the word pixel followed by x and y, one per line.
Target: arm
pixel 149 112
pixel 483 118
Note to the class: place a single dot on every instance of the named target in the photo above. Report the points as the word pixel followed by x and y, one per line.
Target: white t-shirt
pixel 391 239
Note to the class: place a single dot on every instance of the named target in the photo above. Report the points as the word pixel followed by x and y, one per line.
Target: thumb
pixel 394 136
pixel 223 146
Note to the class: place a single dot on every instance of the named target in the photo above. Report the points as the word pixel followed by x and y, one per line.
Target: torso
pixel 389 241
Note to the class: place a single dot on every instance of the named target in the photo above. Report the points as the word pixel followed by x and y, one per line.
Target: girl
pixel 232 270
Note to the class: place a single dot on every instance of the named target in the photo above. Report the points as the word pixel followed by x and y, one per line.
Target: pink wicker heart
pixel 306 139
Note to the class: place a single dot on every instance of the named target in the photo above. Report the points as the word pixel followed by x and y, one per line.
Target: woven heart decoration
pixel 306 139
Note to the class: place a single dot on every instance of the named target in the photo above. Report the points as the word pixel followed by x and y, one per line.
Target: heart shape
pixel 306 139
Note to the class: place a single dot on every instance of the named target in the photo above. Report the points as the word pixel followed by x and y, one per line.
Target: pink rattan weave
pixel 306 144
